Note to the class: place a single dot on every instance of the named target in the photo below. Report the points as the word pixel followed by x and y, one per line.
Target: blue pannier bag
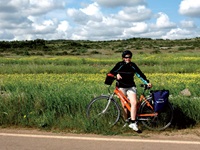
pixel 160 98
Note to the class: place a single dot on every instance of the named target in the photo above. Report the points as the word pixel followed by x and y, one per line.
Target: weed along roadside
pixel 49 101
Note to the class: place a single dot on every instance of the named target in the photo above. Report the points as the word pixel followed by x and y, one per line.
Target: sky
pixel 98 20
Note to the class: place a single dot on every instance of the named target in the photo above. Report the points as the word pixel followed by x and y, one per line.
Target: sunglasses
pixel 127 57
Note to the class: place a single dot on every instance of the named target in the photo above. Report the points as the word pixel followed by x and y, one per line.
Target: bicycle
pixel 106 109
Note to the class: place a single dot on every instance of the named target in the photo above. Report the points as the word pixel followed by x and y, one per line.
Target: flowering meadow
pixel 53 92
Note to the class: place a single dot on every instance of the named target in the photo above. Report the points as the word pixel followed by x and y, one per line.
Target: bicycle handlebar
pixel 145 86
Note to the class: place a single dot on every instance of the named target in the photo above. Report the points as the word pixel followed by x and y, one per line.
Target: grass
pixel 53 92
pixel 149 63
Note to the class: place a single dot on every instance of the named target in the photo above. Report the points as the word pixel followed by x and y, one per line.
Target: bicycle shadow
pixel 181 120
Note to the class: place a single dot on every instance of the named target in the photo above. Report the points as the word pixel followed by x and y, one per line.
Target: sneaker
pixel 134 126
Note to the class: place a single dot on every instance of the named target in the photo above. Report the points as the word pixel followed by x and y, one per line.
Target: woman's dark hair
pixel 126 52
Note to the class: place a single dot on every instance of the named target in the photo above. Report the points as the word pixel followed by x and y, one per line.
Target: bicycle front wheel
pixel 102 110
pixel 159 122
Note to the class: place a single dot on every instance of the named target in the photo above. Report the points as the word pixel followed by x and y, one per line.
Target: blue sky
pixel 170 7
pixel 99 19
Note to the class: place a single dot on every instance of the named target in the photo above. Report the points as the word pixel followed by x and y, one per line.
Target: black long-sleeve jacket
pixel 127 72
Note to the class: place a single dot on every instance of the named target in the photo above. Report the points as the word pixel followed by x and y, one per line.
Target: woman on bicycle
pixel 124 72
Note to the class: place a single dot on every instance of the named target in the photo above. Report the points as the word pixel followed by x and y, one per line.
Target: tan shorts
pixel 129 90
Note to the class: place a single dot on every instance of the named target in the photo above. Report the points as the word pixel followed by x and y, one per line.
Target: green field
pixel 51 92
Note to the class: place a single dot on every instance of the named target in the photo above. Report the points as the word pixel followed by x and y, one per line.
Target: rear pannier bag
pixel 109 79
pixel 160 98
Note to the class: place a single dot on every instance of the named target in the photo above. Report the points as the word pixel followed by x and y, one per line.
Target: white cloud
pixel 44 6
pixel 122 19
pixel 135 14
pixel 92 9
pixel 6 35
pixel 31 7
pixel 77 16
pixel 82 16
pixel 188 24
pixel 104 30
pixel 46 26
pixel 113 22
pixel 26 19
pixel 63 30
pixel 163 21
pixel 136 29
pixel 177 33
pixel 63 26
pixel 190 8
pixel 93 24
pixel 157 34
pixel 120 3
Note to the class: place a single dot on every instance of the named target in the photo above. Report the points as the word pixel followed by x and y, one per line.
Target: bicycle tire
pixel 159 122
pixel 97 116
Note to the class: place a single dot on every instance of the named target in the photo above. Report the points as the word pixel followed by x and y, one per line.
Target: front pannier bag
pixel 109 79
pixel 160 99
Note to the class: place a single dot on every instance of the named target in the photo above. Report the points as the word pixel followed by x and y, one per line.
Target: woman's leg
pixel 124 109
pixel 125 112
pixel 133 100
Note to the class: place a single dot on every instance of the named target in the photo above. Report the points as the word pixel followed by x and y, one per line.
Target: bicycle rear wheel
pixel 101 110
pixel 159 122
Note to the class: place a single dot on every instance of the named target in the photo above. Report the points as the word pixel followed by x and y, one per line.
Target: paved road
pixel 48 141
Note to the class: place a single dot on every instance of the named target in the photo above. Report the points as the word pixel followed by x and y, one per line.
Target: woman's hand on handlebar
pixel 149 85
pixel 119 76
